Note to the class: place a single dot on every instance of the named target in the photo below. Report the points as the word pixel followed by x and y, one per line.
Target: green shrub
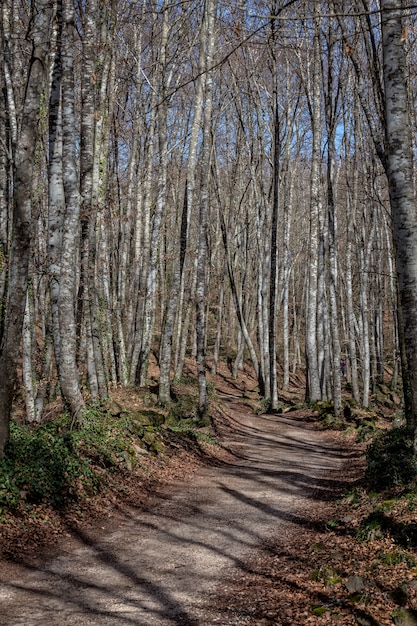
pixel 264 407
pixel 186 408
pixel 391 460
pixel 55 464
pixel 52 463
pixel 366 430
pixel 42 464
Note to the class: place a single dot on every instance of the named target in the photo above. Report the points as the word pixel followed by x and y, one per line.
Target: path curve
pixel 159 566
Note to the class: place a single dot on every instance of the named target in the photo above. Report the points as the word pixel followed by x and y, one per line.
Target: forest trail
pixel 160 566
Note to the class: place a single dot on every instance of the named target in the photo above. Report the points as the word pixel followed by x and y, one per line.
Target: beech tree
pixel 399 165
pixel 162 86
pixel 18 260
pixel 216 183
pixel 210 9
pixel 313 389
pixel 64 210
pixel 176 293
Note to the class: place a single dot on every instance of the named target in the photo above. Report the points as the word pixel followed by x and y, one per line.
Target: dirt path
pixel 158 566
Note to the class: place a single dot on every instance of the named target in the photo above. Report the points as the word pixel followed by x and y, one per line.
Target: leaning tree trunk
pixel 19 255
pixel 8 140
pixel 400 183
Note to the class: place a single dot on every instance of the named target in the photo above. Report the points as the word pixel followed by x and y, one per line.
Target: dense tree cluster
pixel 215 178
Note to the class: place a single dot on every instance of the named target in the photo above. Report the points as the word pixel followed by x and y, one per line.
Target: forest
pixel 226 180
pixel 211 202
pixel 220 181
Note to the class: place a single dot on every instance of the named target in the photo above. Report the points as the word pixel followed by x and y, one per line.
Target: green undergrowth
pixel 391 460
pixel 50 463
pixel 390 490
pixel 384 504
pixel 380 516
pixel 55 465
pixel 352 419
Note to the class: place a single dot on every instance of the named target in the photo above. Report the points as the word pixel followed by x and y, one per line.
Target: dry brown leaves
pixel 298 578
pixel 319 572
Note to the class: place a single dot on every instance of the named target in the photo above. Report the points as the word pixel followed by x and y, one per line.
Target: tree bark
pixel 22 224
pixel 177 290
pixel 148 321
pixel 64 210
pixel 69 377
pixel 331 102
pixel 400 183
pixel 273 277
pixel 202 253
pixel 313 390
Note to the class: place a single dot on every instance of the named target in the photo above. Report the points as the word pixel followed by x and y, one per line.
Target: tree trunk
pixel 19 256
pixel 27 366
pixel 400 183
pixel 87 126
pixel 313 390
pixel 202 253
pixel 216 351
pixel 64 212
pixel 148 321
pixel 273 384
pixel 238 306
pixel 353 362
pixel 176 297
pixel 69 377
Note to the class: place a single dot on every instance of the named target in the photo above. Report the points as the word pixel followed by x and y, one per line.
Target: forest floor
pixel 267 528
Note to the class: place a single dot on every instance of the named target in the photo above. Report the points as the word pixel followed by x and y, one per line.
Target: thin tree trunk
pixel 143 252
pixel 177 289
pixel 27 367
pixel 332 249
pixel 313 390
pixel 217 343
pixel 202 252
pixel 365 260
pixel 152 276
pixel 273 389
pixel 238 306
pixel 288 203
pixel 351 323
